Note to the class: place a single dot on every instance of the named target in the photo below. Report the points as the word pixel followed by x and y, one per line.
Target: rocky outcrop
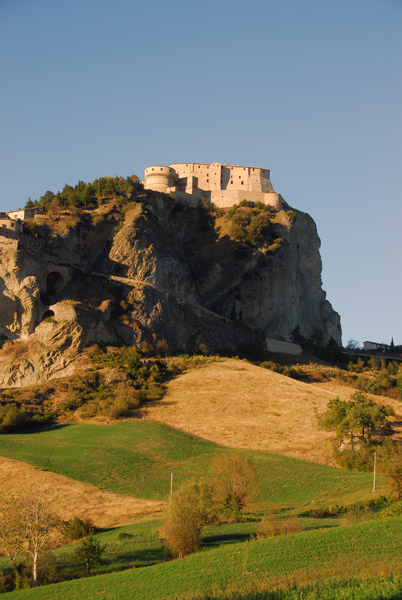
pixel 154 271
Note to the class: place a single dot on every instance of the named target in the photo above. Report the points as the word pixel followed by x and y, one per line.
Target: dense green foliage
pixel 357 418
pixel 75 528
pixel 315 556
pixel 250 221
pixel 28 413
pixel 356 422
pixel 137 457
pixel 88 194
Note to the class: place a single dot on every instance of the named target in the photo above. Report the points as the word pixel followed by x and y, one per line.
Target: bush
pixel 119 408
pixel 191 509
pixel 392 510
pixel 271 525
pixel 16 418
pixel 234 483
pixel 124 536
pixel 12 418
pixel 357 513
pixel 250 222
pixel 76 528
pixel 323 513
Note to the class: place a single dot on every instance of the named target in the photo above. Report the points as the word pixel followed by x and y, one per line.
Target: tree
pixel 191 509
pixel 359 415
pixel 353 345
pixel 392 468
pixel 234 483
pixel 28 527
pixel 89 551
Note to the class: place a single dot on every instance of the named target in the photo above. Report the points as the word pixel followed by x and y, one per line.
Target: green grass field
pixel 142 548
pixel 372 547
pixel 137 457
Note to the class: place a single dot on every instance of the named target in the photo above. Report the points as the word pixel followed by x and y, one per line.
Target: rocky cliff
pixel 154 271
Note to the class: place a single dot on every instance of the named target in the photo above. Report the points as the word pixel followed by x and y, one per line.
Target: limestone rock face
pixel 157 271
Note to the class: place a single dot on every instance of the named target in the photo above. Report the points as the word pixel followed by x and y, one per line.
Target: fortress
pixel 221 185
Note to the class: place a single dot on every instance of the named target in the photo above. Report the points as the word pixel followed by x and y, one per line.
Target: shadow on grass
pixel 211 541
pixel 31 430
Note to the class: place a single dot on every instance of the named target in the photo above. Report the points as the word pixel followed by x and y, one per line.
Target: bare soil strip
pixel 69 498
pixel 240 405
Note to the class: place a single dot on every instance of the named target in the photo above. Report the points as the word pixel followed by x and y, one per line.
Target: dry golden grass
pixel 240 405
pixel 69 498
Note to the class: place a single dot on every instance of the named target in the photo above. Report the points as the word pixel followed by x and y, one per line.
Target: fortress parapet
pixel 222 185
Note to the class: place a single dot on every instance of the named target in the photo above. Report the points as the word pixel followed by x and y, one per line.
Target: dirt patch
pixel 69 498
pixel 237 404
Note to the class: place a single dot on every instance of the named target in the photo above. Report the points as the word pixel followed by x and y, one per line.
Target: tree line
pixel 88 194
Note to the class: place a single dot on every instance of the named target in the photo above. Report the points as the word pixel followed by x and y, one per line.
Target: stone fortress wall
pixel 221 185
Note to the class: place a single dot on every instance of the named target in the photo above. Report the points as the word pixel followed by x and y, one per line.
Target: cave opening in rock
pixel 48 314
pixel 54 283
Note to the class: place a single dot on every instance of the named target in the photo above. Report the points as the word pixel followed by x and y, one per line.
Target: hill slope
pixel 137 457
pixel 237 404
pixel 368 548
pixel 69 498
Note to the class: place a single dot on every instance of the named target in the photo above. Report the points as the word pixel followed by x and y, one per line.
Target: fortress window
pixel 242 182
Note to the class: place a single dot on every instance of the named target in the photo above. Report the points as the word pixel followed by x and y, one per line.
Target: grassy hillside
pixel 137 457
pixel 373 547
pixel 240 405
pixel 69 498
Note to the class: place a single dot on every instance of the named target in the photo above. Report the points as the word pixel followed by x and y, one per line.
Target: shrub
pixel 191 509
pixel 234 483
pixel 119 408
pixel 124 536
pixel 250 222
pixel 76 528
pixel 12 418
pixel 392 510
pixel 357 513
pixel 271 525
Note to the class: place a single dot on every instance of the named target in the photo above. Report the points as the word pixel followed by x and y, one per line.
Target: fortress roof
pixel 217 163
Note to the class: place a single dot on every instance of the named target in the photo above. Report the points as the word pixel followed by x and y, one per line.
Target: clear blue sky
pixel 310 89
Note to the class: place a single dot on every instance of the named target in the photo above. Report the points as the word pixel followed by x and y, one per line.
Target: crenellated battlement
pixel 220 184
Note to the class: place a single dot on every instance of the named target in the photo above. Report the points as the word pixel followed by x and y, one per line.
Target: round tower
pixel 159 178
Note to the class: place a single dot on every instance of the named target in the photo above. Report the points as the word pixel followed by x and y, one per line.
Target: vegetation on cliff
pixel 84 195
pixel 118 382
